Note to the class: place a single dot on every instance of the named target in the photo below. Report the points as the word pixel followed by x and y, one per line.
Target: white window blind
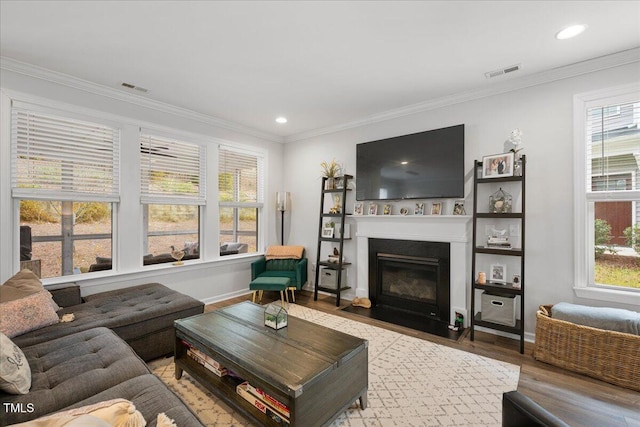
pixel 61 158
pixel 613 149
pixel 172 171
pixel 240 180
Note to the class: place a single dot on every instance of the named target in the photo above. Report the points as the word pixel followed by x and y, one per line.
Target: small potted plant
pixel 331 171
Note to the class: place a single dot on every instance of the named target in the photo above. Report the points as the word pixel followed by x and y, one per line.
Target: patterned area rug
pixel 412 382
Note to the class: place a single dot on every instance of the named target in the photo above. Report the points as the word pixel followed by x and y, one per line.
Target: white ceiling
pixel 320 64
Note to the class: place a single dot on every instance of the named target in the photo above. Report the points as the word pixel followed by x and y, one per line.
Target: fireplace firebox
pixel 410 276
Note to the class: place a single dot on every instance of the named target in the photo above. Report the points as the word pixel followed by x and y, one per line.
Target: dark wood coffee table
pixel 316 371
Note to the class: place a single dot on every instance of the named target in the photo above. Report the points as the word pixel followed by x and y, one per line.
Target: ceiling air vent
pixel 134 87
pixel 506 70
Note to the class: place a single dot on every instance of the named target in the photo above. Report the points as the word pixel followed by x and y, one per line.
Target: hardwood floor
pixel 576 399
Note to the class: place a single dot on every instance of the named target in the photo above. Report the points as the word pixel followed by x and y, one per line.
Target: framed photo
pixel 498 273
pixel 515 282
pixel 357 208
pixel 386 210
pixel 327 232
pixel 419 209
pixel 436 208
pixel 497 165
pixel 373 209
pixel 458 207
pixel 404 211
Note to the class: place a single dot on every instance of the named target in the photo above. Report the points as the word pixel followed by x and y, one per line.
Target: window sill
pixel 608 295
pixel 151 272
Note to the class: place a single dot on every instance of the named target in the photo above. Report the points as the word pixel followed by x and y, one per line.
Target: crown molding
pixel 572 70
pixel 19 67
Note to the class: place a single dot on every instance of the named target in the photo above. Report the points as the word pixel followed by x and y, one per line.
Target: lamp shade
pixel 283 201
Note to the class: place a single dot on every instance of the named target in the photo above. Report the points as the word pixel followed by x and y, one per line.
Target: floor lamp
pixel 283 202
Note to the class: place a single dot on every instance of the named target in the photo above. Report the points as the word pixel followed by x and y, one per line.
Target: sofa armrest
pixel 520 411
pixel 258 266
pixel 301 272
pixel 65 294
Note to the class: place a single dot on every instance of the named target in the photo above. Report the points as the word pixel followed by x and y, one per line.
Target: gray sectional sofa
pixel 92 359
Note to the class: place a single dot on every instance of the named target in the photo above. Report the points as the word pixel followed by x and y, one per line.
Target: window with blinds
pixel 239 179
pixel 613 148
pixel 172 171
pixel 240 195
pixel 59 158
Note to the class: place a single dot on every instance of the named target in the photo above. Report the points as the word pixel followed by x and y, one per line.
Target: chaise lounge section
pixel 141 315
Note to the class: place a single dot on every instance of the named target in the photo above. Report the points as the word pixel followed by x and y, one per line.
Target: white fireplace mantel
pixel 453 229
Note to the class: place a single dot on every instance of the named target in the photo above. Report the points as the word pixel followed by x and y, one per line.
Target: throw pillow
pixel 22 284
pixel 116 412
pixel 26 314
pixel 15 373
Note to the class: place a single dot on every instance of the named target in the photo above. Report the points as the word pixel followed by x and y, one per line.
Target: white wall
pixel 543 112
pixel 208 280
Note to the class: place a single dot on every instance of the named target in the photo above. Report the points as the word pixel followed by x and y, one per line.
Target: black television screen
pixel 423 165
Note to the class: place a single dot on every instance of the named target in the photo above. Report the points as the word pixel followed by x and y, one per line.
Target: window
pixel 240 182
pixel 173 176
pixel 608 196
pixel 64 175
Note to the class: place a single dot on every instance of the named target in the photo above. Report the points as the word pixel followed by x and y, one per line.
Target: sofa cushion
pixel 22 284
pixel 131 312
pixel 27 314
pixel 115 413
pixel 15 374
pixel 151 397
pixel 70 369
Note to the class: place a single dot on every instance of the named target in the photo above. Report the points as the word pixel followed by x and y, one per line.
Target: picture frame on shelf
pixel 516 282
pixel 497 165
pixel 436 208
pixel 327 232
pixel 404 211
pixel 498 273
pixel 373 209
pixel 387 209
pixel 458 208
pixel 358 208
pixel 419 209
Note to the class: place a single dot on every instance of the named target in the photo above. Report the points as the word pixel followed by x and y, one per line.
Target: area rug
pixel 412 382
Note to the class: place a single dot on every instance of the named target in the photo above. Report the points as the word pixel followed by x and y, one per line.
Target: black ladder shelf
pixel 339 217
pixel 506 288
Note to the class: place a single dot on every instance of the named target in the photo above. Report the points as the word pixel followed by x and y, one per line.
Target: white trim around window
pixel 583 238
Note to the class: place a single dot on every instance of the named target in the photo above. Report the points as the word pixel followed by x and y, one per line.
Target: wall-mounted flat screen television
pixel 423 165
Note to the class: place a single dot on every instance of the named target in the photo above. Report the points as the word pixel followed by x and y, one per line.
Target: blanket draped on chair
pixel 284 252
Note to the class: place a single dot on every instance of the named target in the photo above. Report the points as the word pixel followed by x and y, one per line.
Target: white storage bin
pixel 499 308
pixel 329 278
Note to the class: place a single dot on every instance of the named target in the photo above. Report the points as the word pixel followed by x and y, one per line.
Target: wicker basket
pixel 609 356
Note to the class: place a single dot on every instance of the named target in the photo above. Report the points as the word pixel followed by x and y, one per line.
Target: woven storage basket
pixel 610 356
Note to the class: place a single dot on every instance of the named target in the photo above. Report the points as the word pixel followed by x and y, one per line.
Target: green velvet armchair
pixel 292 268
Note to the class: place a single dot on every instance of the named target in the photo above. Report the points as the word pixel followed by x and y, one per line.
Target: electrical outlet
pixel 313 266
pixel 514 230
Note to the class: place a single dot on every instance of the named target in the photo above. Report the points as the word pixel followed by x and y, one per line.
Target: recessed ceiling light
pixel 571 31
pixel 281 120
pixel 404 163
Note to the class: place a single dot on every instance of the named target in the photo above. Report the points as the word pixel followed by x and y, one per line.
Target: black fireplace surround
pixel 410 276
